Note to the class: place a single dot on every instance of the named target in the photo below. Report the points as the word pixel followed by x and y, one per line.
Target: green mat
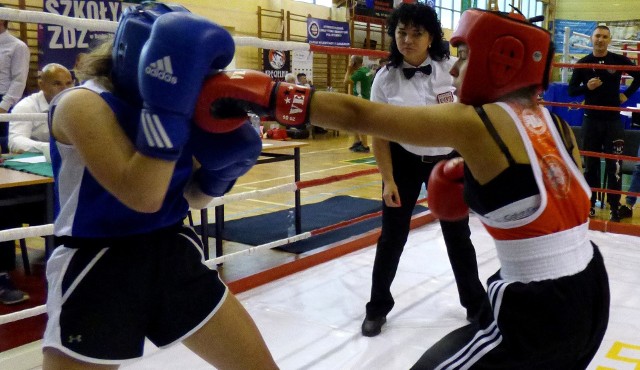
pixel 40 168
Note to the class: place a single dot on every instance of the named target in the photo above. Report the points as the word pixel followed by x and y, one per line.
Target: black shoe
pixel 8 292
pixel 614 215
pixel 361 149
pixel 625 212
pixel 355 145
pixel 373 327
pixel 592 212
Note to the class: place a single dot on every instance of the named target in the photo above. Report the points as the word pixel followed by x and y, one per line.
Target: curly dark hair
pixel 417 15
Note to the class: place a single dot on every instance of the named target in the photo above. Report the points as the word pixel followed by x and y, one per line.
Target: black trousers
pixel 603 137
pixel 19 206
pixel 410 172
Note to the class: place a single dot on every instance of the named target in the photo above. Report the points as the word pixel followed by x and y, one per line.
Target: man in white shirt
pixel 14 67
pixel 33 136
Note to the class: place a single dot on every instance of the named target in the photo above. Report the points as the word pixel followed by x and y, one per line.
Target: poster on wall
pixel 277 63
pixel 329 33
pixel 577 44
pixel 60 44
pixel 302 62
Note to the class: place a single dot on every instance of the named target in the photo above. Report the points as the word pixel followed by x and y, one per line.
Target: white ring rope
pixel 212 262
pixel 26 232
pixel 630 51
pixel 270 44
pixel 6 117
pixel 26 313
pixel 253 194
pixel 32 16
pixel 612 40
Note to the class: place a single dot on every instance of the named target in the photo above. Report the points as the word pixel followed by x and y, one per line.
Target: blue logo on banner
pixel 329 33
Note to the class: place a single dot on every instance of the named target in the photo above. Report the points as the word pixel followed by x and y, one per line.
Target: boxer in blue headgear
pixel 133 31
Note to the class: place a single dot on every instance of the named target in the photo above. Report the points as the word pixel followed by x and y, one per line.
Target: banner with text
pixel 329 33
pixel 59 44
pixel 374 8
pixel 584 27
pixel 277 63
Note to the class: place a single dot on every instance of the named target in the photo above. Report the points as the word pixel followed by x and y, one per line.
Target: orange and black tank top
pixel 530 200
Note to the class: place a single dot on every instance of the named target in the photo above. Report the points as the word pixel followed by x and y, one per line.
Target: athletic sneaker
pixel 625 212
pixel 361 149
pixel 8 292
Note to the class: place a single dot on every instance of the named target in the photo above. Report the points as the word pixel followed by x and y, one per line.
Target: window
pixel 449 10
pixel 327 3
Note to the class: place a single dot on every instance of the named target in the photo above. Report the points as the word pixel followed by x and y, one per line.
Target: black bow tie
pixel 409 72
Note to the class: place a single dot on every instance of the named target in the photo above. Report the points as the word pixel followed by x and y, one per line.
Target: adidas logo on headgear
pixel 162 70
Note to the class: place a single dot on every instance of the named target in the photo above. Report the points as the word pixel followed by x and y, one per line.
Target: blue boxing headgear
pixel 133 31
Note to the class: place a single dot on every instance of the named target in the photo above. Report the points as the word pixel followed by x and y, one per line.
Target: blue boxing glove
pixel 224 157
pixel 133 31
pixel 182 50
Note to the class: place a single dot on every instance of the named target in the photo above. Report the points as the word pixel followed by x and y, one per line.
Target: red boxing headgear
pixel 506 53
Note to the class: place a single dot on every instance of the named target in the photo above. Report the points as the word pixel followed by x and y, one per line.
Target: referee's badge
pixel 445 97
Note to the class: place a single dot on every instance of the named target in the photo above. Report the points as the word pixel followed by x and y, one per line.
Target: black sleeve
pixel 577 86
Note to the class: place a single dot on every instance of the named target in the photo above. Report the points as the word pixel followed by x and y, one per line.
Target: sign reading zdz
pixel 61 44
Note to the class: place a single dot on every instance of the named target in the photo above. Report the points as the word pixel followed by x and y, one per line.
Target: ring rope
pixel 218 201
pixel 6 117
pixel 620 192
pixel 24 314
pixel 587 106
pixel 583 35
pixel 32 16
pixel 630 51
pixel 610 156
pixel 619 67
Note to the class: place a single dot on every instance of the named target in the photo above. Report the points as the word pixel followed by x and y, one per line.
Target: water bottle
pixel 255 122
pixel 423 191
pixel 291 221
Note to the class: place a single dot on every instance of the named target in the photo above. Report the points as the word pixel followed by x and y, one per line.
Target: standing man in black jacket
pixel 603 130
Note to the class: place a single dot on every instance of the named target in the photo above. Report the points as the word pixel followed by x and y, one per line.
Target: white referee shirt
pixel 28 136
pixel 391 87
pixel 14 69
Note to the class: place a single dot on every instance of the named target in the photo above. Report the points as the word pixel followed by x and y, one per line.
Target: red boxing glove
pixel 444 191
pixel 227 97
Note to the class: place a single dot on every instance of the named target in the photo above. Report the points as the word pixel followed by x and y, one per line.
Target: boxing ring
pixel 319 299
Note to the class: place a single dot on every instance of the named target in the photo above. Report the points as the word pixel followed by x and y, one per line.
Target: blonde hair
pixel 97 64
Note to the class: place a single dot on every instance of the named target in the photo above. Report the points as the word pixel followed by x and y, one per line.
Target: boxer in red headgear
pixel 511 54
pixel 521 176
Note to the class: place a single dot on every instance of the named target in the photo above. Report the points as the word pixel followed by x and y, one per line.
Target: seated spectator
pixel 290 78
pixel 302 80
pixel 33 136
